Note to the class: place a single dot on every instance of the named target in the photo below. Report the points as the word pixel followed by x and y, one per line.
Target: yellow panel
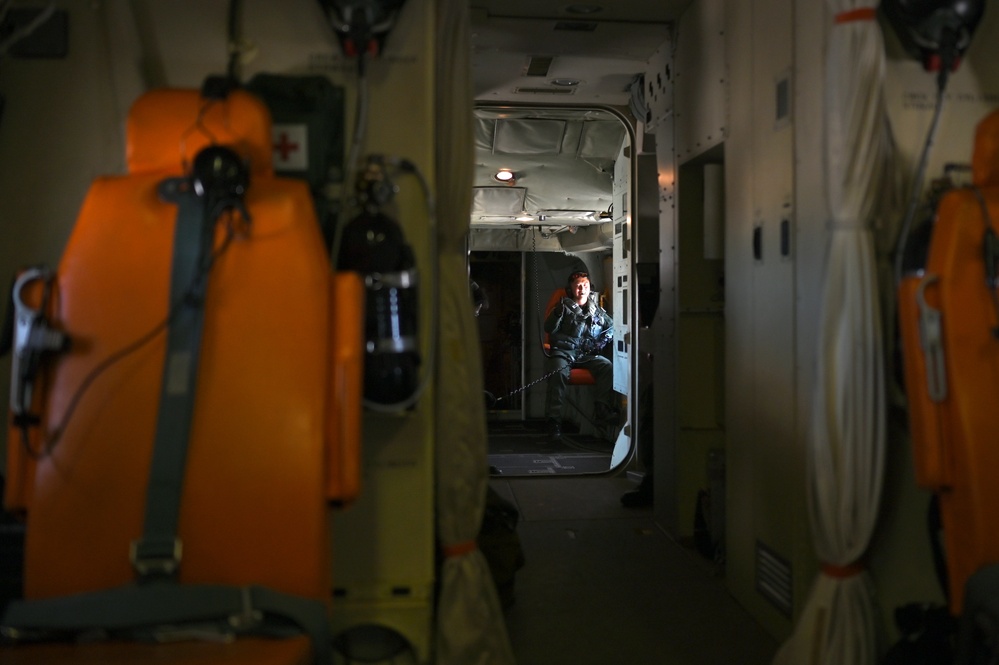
pixel 701 371
pixel 383 562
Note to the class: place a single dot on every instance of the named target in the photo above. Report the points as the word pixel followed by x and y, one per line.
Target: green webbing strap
pixel 161 611
pixel 157 553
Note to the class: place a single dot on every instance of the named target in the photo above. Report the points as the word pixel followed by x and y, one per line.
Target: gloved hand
pixel 593 345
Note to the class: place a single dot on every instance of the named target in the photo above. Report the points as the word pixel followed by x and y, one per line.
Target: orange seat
pixel 275 428
pixel 947 319
pixel 578 376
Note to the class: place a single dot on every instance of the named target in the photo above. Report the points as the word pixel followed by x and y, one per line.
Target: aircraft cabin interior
pixel 482 332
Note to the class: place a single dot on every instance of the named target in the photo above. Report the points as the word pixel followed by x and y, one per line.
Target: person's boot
pixel 640 497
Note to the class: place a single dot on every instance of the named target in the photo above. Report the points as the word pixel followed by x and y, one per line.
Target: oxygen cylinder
pixel 373 245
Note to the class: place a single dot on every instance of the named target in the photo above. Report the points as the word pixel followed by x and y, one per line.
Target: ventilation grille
pixel 546 91
pixel 773 578
pixel 539 65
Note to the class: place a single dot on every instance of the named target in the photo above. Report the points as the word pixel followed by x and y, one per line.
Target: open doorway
pixel 552 197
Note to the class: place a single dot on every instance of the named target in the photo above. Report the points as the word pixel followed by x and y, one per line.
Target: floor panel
pixel 604 585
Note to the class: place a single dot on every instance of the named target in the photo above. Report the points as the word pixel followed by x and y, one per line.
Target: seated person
pixel 578 328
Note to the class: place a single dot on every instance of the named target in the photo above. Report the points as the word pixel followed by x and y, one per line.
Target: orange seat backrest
pixel 278 330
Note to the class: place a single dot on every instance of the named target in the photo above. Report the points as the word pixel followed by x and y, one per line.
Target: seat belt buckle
pixel 155 558
pixel 247 618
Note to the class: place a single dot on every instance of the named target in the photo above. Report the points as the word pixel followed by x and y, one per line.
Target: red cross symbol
pixel 285 147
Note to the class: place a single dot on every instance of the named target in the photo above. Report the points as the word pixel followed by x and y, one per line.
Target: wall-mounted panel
pixel 774 396
pixel 622 274
pixel 759 299
pixel 739 330
pixel 658 90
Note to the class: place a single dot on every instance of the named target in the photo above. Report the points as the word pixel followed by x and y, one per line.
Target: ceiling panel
pixel 599 63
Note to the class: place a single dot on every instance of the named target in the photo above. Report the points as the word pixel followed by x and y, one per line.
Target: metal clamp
pixel 931 340
pixel 33 337
pixel 403 279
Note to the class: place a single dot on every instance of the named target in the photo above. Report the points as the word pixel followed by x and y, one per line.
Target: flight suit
pixel 577 334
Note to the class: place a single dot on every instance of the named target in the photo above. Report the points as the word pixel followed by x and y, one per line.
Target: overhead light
pixel 575 215
pixel 567 83
pixel 524 217
pixel 506 176
pixel 583 9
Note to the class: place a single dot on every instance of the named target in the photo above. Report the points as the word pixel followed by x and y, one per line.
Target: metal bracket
pixel 33 337
pixel 931 339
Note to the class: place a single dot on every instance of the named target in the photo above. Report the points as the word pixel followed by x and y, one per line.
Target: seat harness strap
pixel 164 611
pixel 158 552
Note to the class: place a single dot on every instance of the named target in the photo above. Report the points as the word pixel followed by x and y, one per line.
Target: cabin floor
pixel 603 584
pixel 521 448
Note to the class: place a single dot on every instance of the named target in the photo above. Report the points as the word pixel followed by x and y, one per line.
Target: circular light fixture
pixel 583 9
pixel 506 176
pixel 565 83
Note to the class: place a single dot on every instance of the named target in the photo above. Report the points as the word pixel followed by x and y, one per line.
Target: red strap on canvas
pixel 843 572
pixel 460 549
pixel 859 14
